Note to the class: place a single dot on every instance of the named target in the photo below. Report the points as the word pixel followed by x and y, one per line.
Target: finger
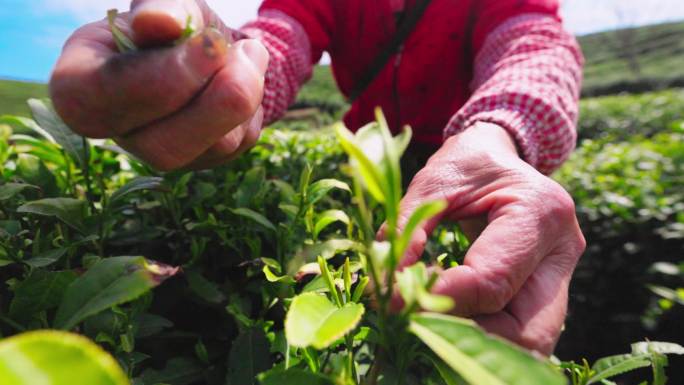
pixel 535 316
pixel 100 93
pixel 160 22
pixel 519 235
pixel 232 145
pixel 231 98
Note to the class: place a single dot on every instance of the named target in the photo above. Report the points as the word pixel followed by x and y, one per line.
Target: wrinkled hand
pixel 195 104
pixel 514 281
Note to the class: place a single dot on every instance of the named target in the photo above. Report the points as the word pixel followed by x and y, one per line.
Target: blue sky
pixel 32 32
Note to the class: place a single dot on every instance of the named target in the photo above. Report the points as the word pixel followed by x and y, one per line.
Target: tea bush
pixel 253 272
pixel 630 202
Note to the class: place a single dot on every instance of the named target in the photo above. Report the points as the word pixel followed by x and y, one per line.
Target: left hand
pixel 515 277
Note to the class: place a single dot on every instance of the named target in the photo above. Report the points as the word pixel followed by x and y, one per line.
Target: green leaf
pixel 319 189
pixel 294 377
pixel 47 118
pixel 367 169
pixel 110 282
pixel 56 358
pixel 421 214
pixel 68 210
pixel 42 290
pixel 137 184
pixel 479 357
pixel 254 216
pixel 328 217
pixel 608 367
pixel 327 249
pixel 271 277
pixel 313 320
pixel 147 325
pixel 412 282
pixel 9 190
pixel 123 42
pixel 657 347
pixel 47 258
pixel 178 371
pixel 203 287
pixel 448 375
pixel 249 356
pixel 22 125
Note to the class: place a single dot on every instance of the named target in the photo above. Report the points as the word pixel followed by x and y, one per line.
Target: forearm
pixel 527 80
pixel 290 62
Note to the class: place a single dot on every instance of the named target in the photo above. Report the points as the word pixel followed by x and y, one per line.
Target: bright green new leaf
pixel 327 249
pixel 421 214
pixel 254 216
pixel 293 377
pixel 478 357
pixel 56 358
pixel 272 277
pixel 110 282
pixel 319 189
pixel 657 347
pixel 137 184
pixel 328 217
pixel 123 42
pixel 47 118
pixel 412 282
pixel 313 320
pixel 68 210
pixel 369 172
pixel 608 367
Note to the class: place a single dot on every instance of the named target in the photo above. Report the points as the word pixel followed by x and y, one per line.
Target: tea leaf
pixel 109 282
pixel 40 291
pixel 294 377
pixel 313 320
pixel 421 214
pixel 479 357
pixel 608 367
pixel 123 42
pixel 657 347
pixel 254 216
pixel 9 190
pixel 137 184
pixel 178 371
pixel 319 189
pixel 56 358
pixel 329 217
pixel 204 288
pixel 368 170
pixel 68 210
pixel 412 282
pixel 47 118
pixel 249 356
pixel 47 258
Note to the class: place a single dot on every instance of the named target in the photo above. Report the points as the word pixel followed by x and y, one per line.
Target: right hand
pixel 192 105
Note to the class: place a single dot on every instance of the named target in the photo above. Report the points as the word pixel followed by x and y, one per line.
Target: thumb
pixel 160 22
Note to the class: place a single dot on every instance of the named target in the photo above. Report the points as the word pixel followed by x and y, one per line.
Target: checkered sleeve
pixel 290 64
pixel 527 79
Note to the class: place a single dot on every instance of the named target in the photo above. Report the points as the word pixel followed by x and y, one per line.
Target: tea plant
pixel 269 279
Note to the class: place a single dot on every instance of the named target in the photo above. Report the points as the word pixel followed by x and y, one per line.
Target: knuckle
pixel 238 98
pixel 495 291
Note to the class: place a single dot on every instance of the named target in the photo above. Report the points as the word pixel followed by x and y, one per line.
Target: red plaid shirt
pixel 507 62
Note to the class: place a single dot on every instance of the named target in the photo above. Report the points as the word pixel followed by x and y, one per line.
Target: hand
pixel 515 277
pixel 196 104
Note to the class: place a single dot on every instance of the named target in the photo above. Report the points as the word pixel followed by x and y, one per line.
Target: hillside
pixel 633 60
pixel 636 59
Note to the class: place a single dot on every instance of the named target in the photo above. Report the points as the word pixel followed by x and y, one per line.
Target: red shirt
pixel 428 81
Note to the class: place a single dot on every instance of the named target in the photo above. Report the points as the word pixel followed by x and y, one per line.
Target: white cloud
pixel 581 16
pixel 234 13
pixel 585 16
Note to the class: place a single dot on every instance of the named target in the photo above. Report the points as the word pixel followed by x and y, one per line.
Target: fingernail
pixel 256 52
pixel 213 43
pixel 156 22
